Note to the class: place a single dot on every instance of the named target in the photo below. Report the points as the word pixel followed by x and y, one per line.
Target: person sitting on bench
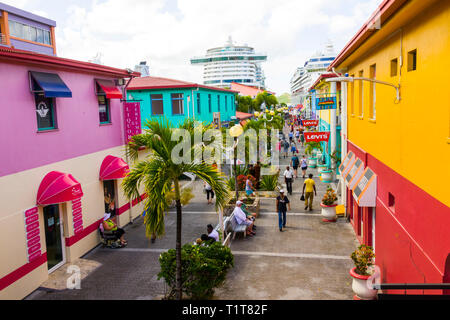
pixel 110 225
pixel 241 218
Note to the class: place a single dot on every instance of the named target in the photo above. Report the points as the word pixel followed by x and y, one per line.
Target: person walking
pixel 302 138
pixel 249 189
pixel 283 205
pixel 295 161
pixel 309 190
pixel 304 166
pixel 293 148
pixel 285 148
pixel 288 176
pixel 291 135
pixel 209 192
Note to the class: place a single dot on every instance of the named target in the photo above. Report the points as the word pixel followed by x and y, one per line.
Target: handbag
pixel 302 198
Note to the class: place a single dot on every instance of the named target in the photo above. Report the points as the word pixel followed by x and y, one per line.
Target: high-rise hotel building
pixel 232 63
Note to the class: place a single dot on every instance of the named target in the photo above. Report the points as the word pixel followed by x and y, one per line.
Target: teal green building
pixel 177 100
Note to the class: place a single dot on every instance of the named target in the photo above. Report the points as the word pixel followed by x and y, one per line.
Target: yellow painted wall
pixel 413 136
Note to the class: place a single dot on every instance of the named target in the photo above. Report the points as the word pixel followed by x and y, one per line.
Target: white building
pixel 305 76
pixel 232 63
pixel 143 69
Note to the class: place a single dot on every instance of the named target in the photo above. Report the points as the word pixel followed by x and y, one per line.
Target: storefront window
pixel 45 112
pixel 103 110
pixel 177 103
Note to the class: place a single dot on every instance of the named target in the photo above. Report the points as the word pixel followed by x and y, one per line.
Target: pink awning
pixel 113 168
pixel 58 187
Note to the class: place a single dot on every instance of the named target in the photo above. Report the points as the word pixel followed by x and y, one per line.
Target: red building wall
pixel 412 229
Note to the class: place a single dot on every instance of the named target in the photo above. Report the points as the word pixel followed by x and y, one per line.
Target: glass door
pixel 54 237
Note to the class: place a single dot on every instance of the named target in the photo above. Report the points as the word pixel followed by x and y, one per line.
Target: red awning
pixel 113 168
pixel 109 89
pixel 58 187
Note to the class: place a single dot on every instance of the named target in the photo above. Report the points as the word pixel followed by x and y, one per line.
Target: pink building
pixel 62 132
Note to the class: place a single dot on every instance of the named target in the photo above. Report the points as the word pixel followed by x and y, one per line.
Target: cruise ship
pixel 232 63
pixel 306 75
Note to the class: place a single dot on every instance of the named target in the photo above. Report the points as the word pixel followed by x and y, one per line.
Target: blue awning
pixel 51 85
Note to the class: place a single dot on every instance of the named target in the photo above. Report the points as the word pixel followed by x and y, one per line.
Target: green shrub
pixel 269 183
pixel 203 269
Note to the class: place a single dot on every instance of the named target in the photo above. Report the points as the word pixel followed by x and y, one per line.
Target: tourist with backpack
pixel 295 161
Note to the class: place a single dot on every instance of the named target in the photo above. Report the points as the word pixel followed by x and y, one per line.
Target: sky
pixel 167 33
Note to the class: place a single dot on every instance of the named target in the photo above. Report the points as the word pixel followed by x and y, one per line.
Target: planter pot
pixel 328 212
pixel 327 176
pixel 312 162
pixel 333 164
pixel 321 167
pixel 359 286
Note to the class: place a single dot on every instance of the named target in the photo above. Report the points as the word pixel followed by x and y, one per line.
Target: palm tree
pixel 157 173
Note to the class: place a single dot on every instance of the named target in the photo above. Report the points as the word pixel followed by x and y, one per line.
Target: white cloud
pixel 287 30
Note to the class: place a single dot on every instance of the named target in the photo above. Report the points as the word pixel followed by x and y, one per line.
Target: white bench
pixel 231 224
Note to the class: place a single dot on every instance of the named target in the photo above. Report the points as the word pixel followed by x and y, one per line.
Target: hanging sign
pixel 77 215
pixel 33 234
pixel 326 103
pixel 132 118
pixel 310 123
pixel 316 136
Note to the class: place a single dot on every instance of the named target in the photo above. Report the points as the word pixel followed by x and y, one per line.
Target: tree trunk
pixel 179 293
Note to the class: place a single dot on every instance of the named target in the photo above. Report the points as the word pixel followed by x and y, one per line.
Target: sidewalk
pixel 309 260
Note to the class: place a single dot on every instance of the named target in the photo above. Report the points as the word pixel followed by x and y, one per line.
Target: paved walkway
pixel 309 260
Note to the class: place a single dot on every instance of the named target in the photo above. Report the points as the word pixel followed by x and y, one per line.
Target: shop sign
pixel 326 103
pixel 33 234
pixel 77 216
pixel 310 123
pixel 132 118
pixel 316 136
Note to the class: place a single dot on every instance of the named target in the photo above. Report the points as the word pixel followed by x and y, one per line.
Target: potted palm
pixel 363 260
pixel 329 205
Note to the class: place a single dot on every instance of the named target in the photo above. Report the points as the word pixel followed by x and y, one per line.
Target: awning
pixel 58 187
pixel 348 166
pixel 113 168
pixel 109 89
pixel 50 84
pixel 365 189
pixel 354 173
pixel 345 161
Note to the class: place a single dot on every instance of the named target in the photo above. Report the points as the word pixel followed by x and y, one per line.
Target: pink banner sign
pixel 31 211
pixel 132 118
pixel 32 234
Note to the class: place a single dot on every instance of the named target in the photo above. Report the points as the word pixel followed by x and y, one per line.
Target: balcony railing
pixel 2 38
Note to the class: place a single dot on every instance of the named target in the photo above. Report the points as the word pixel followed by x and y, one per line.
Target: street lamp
pixel 235 132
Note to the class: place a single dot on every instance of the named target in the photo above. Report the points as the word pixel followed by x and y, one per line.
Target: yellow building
pixel 399 128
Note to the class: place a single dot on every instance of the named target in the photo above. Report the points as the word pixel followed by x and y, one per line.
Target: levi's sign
pixel 310 123
pixel 326 103
pixel 317 136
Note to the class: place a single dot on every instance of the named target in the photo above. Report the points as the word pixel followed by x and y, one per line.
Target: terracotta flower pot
pixel 359 286
pixel 329 212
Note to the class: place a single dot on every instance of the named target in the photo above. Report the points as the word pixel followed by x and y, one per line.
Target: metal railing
pixel 2 38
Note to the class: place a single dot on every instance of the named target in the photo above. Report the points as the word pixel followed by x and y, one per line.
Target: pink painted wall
pixel 79 131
